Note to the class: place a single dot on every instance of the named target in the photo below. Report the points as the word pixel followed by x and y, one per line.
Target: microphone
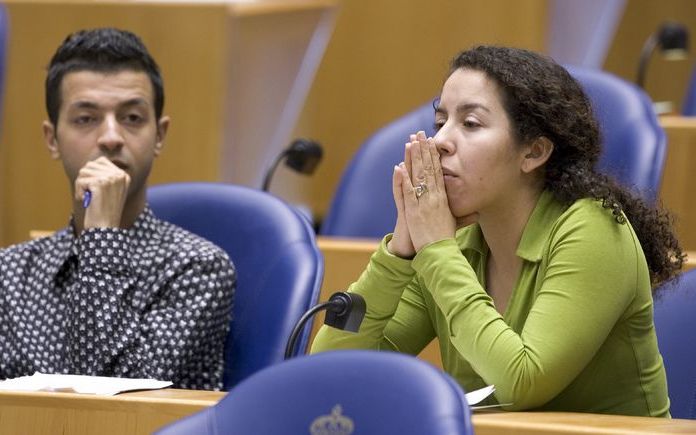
pixel 303 156
pixel 345 311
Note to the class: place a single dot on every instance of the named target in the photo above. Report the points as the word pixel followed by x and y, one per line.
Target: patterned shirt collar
pixel 143 230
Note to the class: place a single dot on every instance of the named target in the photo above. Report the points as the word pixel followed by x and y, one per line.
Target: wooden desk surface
pixel 557 423
pixel 41 413
pixel 146 411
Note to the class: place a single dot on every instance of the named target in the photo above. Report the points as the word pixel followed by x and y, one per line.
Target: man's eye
pixel 83 119
pixel 134 118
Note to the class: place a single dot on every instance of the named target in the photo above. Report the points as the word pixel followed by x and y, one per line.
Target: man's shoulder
pixel 186 243
pixel 32 246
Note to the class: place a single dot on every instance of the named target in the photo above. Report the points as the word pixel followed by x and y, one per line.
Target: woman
pixel 548 295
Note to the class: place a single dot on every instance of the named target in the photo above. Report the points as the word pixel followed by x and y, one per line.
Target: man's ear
pixel 162 127
pixel 49 132
pixel 537 153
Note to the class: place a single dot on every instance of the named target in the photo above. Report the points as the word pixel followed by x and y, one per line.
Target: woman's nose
pixel 443 142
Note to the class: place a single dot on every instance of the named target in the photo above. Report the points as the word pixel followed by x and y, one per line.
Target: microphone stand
pixel 345 311
pixel 269 174
pixel 303 156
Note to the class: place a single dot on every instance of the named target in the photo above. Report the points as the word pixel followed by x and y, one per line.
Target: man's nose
pixel 111 137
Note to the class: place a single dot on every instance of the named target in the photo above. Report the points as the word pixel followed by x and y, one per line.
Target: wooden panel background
pixel 665 80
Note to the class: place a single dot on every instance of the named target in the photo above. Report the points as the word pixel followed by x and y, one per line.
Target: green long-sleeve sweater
pixel 577 334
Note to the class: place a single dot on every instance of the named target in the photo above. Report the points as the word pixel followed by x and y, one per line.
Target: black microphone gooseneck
pixel 303 156
pixel 345 311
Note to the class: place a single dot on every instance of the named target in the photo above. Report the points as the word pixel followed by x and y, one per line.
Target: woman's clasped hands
pixel 423 213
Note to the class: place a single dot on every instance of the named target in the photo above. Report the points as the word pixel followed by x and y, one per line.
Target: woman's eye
pixel 469 123
pixel 438 125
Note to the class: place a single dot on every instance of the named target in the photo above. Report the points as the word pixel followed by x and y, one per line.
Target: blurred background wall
pixel 384 58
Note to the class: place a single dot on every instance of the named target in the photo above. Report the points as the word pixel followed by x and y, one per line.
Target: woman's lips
pixel 448 173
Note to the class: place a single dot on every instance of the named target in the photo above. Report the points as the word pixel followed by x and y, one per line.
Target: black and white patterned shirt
pixel 152 301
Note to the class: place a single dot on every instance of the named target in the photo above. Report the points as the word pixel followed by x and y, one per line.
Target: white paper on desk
pixel 477 396
pixel 99 385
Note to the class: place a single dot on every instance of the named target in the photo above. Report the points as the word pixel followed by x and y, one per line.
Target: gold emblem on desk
pixel 334 424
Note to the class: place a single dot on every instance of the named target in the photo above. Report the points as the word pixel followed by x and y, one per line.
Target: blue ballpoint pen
pixel 86 199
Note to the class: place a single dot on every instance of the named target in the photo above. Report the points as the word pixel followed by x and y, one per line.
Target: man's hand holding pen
pixel 106 185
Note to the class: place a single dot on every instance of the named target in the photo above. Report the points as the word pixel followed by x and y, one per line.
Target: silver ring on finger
pixel 421 189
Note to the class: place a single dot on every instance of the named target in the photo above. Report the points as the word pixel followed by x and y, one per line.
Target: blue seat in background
pixel 675 324
pixel 689 108
pixel 633 141
pixel 363 205
pixel 279 267
pixel 368 392
pixel 634 147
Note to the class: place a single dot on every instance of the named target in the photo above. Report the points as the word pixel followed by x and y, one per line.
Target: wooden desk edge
pixel 576 423
pixel 172 404
pixel 677 122
pixel 170 396
pixel 345 244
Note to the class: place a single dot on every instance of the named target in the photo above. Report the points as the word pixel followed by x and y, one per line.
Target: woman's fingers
pixel 418 171
pixel 407 155
pixel 407 188
pixel 427 161
pixel 439 182
pixel 400 244
pixel 396 188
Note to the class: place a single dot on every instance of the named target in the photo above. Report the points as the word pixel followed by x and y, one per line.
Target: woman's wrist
pixel 397 252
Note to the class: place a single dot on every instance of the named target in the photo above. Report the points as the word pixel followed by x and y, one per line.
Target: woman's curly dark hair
pixel 543 100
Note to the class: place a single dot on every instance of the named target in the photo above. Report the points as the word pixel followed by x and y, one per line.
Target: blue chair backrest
pixel 363 205
pixel 634 145
pixel 675 324
pixel 689 108
pixel 634 152
pixel 372 392
pixel 279 267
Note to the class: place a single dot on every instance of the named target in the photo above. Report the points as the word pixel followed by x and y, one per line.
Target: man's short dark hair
pixel 104 50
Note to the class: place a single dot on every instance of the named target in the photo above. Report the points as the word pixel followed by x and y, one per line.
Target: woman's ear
pixel 537 153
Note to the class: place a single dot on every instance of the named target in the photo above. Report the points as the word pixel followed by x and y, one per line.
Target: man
pixel 118 292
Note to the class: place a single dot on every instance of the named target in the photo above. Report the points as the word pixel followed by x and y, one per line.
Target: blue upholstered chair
pixel 279 267
pixel 634 143
pixel 363 205
pixel 634 152
pixel 675 324
pixel 689 108
pixel 372 392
